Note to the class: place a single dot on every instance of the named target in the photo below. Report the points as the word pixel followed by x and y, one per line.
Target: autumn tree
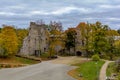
pixel 70 39
pixel 8 41
pixel 21 34
pixel 84 36
pixel 55 41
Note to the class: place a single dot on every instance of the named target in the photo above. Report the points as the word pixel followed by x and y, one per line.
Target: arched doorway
pixel 79 53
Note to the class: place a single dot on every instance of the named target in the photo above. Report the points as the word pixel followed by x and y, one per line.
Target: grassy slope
pixel 89 70
pixel 25 61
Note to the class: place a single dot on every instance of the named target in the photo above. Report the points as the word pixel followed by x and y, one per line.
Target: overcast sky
pixel 69 12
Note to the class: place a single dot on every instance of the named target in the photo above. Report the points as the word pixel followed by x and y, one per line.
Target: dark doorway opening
pixel 78 53
pixel 37 52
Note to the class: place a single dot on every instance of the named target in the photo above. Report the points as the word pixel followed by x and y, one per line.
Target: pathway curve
pixel 47 70
pixel 102 75
pixel 42 71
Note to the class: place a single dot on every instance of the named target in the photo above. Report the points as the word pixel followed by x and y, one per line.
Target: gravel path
pixel 102 75
pixel 69 60
pixel 42 71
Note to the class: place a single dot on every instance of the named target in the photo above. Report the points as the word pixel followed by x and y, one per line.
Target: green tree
pixel 99 42
pixel 70 39
pixel 0 30
pixel 118 31
pixel 117 47
pixel 111 34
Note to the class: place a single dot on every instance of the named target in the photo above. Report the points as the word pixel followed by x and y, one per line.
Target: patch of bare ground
pixel 9 60
pixel 69 60
pixel 74 74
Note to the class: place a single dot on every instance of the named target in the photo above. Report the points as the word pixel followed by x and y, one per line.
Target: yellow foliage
pixel 117 44
pixel 21 34
pixel 9 41
pixel 55 40
pixel 112 33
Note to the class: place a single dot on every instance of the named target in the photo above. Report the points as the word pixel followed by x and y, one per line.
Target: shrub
pixel 104 56
pixel 118 76
pixel 95 57
pixel 118 65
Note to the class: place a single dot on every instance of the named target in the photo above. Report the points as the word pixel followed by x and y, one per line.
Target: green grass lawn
pixel 110 69
pixel 89 70
pixel 25 61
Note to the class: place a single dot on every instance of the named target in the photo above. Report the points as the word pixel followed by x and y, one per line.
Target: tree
pixel 84 36
pixel 70 39
pixel 99 42
pixel 55 41
pixel 111 34
pixel 8 41
pixel 21 34
pixel 118 31
pixel 117 47
pixel 0 30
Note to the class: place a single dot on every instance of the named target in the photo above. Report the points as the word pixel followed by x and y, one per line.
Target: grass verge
pixel 88 70
pixel 25 61
pixel 17 60
pixel 110 69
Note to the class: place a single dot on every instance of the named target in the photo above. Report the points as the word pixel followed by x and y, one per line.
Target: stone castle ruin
pixel 37 41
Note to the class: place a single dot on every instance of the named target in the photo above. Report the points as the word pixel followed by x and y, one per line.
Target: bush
pixel 118 76
pixel 95 57
pixel 104 56
pixel 118 65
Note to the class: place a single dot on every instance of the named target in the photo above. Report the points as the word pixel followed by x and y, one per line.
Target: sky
pixel 70 12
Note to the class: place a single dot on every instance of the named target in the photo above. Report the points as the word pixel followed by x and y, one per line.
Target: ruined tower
pixel 37 40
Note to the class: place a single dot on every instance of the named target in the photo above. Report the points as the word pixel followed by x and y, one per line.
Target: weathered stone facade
pixel 37 41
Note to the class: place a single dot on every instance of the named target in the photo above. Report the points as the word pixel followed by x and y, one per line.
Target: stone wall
pixel 36 41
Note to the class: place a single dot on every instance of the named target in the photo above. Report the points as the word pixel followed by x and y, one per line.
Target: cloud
pixel 63 10
pixel 36 12
pixel 60 11
pixel 105 18
pixel 70 13
pixel 114 19
pixel 7 13
pixel 109 6
pixel 16 7
pixel 68 10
